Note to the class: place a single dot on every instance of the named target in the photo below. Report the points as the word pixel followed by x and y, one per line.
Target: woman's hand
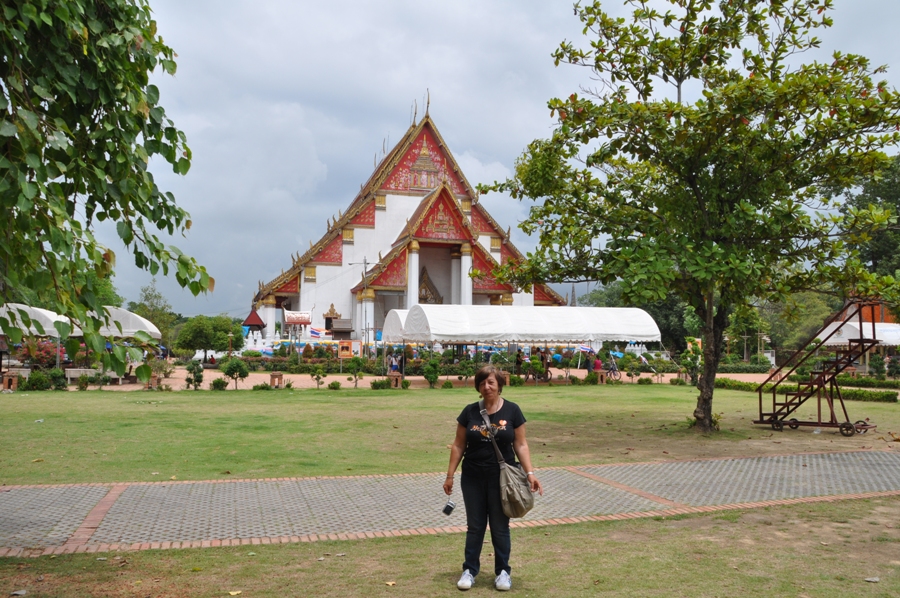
pixel 535 484
pixel 448 486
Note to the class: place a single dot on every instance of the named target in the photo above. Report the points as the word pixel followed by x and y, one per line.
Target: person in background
pixel 480 479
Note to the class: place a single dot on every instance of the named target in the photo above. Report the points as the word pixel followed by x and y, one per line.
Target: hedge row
pixel 850 394
pixel 848 380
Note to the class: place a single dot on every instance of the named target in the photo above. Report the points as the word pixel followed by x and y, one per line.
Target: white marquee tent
pixel 465 324
pixel 888 334
pixel 130 322
pixel 44 317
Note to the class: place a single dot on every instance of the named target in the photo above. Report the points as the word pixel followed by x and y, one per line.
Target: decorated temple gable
pixel 480 223
pixel 486 281
pixel 292 286
pixel 366 217
pixel 393 274
pixel 424 166
pixel 443 221
pixel 332 254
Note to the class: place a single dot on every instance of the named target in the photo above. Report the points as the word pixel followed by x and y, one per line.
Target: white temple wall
pixel 485 242
pixel 524 299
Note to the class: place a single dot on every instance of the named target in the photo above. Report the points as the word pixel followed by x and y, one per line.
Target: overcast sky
pixel 286 104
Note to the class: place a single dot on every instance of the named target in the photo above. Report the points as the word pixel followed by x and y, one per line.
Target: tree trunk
pixel 713 333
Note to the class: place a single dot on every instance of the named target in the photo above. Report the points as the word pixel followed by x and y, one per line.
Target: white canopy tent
pixel 887 334
pixel 130 323
pixel 469 324
pixel 44 317
pixel 392 331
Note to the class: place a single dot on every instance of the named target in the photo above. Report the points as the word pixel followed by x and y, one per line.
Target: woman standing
pixel 480 480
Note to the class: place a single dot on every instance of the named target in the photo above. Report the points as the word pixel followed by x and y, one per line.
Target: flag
pixel 316 333
pixel 584 348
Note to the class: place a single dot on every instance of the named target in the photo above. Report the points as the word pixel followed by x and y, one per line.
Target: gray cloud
pixel 286 104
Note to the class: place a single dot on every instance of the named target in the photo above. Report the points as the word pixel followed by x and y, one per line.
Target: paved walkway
pixel 36 520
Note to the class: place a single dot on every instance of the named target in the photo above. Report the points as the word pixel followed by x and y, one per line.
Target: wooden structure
pixel 822 385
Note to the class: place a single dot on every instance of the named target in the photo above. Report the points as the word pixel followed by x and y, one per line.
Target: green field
pixel 109 436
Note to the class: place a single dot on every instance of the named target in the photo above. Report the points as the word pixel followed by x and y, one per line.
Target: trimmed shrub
pixel 83 381
pixel 405 384
pixel 380 384
pixel 263 386
pixel 38 380
pixel 677 382
pixel 592 378
pixel 850 394
pixel 645 380
pixel 58 379
pixel 516 381
pixel 219 384
pixel 744 368
pixel 447 384
pixel 575 380
pixel 335 385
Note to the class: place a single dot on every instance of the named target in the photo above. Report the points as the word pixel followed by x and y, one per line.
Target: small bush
pixel 38 380
pixel 516 381
pixel 288 384
pixel 58 379
pixel 592 378
pixel 575 380
pixel 612 382
pixel 380 384
pixel 645 380
pixel 251 354
pixel 334 385
pixel 677 382
pixel 219 384
pixel 263 386
pixel 447 384
pixel 83 381
pixel 405 384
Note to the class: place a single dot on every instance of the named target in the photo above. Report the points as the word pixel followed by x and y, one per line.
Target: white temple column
pixel 368 304
pixel 268 316
pixel 465 281
pixel 412 275
pixel 454 278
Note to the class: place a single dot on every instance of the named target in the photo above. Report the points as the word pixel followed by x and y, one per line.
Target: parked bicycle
pixel 612 372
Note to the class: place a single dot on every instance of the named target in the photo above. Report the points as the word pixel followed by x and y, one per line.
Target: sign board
pixel 349 349
pixel 297 318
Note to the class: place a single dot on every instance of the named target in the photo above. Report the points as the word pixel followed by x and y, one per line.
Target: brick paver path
pixel 37 520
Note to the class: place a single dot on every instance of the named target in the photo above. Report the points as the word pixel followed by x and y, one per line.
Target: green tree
pixel 204 333
pixel 235 369
pixel 794 322
pixel 880 252
pixel 675 318
pixel 79 124
pixel 151 304
pixel 719 199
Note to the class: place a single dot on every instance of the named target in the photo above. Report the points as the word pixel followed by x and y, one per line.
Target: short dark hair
pixel 489 370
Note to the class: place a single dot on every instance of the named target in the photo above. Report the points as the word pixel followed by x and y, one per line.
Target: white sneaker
pixel 465 580
pixel 503 582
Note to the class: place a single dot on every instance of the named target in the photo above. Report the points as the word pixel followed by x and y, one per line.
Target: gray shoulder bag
pixel 515 491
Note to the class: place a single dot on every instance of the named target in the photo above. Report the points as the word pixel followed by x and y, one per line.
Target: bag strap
pixel 490 431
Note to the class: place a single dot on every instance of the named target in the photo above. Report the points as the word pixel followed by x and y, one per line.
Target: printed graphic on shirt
pixel 501 425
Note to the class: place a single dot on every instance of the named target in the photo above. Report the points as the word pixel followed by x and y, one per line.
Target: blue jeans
pixel 481 495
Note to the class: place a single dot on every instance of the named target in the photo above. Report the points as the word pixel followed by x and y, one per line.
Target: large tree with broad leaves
pixel 79 123
pixel 703 161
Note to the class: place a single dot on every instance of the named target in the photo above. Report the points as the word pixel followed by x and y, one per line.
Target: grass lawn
pixel 108 436
pixel 801 551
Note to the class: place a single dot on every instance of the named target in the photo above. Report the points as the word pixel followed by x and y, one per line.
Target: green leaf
pixel 7 129
pixel 152 95
pixel 125 232
pixel 143 372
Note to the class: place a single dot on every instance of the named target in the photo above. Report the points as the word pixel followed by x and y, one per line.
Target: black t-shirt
pixel 479 457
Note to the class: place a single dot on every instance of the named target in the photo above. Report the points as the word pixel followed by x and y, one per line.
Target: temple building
pixel 415 233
